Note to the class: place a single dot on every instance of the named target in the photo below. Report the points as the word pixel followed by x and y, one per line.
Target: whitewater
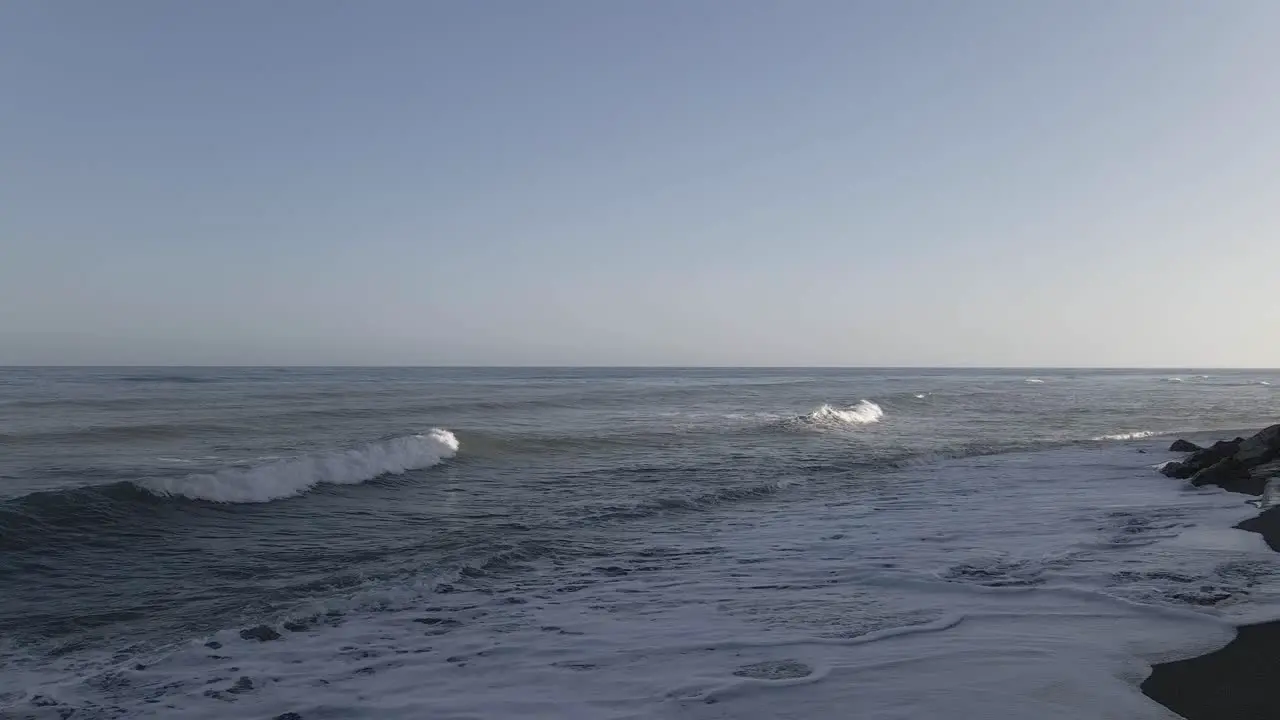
pixel 288 477
pixel 614 543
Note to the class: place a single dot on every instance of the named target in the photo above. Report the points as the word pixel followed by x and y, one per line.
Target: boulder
pixel 1183 446
pixel 1266 470
pixel 1201 459
pixel 1230 474
pixel 1261 448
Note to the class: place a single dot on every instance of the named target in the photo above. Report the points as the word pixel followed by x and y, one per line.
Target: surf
pixel 863 413
pixel 280 479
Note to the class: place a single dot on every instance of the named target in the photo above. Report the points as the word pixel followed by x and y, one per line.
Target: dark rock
pixel 1201 459
pixel 261 633
pixel 1230 474
pixel 243 685
pixel 43 701
pixel 1225 470
pixel 1261 448
pixel 139 667
pixel 1185 446
pixel 213 644
pixel 1266 470
pixel 287 716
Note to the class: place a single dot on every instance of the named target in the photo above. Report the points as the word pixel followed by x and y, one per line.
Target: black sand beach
pixel 1237 682
pixel 1234 683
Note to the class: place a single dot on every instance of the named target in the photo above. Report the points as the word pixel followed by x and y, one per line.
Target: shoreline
pixel 1235 682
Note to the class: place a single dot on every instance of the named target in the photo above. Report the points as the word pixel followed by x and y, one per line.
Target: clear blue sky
pixel 1081 182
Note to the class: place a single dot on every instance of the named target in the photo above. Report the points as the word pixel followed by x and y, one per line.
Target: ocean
pixel 614 543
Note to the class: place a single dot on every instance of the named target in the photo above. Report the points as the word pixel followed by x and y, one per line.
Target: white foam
pixel 921 396
pixel 286 478
pixel 1034 381
pixel 864 413
pixel 1173 379
pixel 1263 382
pixel 884 606
pixel 1135 435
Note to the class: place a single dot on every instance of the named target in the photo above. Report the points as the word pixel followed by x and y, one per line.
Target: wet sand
pixel 1238 682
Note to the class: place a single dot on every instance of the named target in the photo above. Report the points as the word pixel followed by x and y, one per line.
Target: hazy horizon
pixel 940 368
pixel 828 184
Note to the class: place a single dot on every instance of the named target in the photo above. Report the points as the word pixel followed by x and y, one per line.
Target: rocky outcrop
pixel 1241 465
pixel 1229 474
pixel 1183 446
pixel 1261 448
pixel 1201 459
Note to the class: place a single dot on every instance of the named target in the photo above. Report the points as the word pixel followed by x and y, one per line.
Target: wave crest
pixel 864 413
pixel 1135 435
pixel 280 479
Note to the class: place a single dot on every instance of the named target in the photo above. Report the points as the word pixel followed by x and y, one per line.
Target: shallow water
pixel 613 543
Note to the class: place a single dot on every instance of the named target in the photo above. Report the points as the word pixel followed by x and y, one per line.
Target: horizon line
pixel 1233 368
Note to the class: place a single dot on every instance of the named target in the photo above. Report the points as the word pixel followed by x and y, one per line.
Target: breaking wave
pixel 1034 381
pixel 1135 435
pixel 280 479
pixel 864 413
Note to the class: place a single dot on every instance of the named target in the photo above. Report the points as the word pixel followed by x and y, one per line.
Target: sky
pixel 667 182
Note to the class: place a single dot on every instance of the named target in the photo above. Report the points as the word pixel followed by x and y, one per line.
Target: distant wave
pixel 1263 382
pixel 280 479
pixel 1173 379
pixel 921 396
pixel 165 378
pixel 1034 381
pixel 1135 435
pixel 864 413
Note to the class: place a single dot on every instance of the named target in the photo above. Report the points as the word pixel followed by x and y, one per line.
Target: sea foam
pixel 864 413
pixel 1135 435
pixel 280 479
